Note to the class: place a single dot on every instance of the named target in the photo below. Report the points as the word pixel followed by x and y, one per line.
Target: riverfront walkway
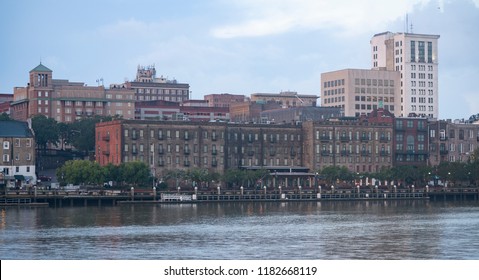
pixel 62 198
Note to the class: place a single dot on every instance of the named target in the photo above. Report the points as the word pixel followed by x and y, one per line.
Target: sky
pixel 233 46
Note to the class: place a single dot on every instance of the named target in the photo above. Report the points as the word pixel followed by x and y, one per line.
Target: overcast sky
pixel 233 46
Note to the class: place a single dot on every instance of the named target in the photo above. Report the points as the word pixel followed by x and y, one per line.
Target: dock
pixel 58 198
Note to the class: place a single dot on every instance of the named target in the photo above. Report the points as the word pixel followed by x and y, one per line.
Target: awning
pixel 19 177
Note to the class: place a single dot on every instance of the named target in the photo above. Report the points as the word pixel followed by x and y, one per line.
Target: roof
pixel 15 129
pixel 41 68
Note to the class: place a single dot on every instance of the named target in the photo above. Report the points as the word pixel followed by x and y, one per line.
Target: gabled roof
pixel 41 68
pixel 15 129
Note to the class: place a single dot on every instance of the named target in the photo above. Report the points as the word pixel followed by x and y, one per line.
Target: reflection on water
pixel 253 230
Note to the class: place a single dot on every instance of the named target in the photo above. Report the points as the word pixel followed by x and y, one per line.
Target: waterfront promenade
pixel 64 198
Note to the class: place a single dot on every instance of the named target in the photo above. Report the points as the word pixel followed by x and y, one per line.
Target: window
pixel 6 158
pixel 6 145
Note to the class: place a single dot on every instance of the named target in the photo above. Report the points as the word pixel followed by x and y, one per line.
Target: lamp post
pixel 299 187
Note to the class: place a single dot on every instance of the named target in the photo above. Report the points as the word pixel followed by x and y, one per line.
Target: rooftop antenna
pixel 98 81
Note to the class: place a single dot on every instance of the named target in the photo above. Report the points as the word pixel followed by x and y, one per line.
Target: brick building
pixel 224 100
pixel 67 101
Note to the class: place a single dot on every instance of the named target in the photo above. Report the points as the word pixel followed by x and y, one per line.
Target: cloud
pixel 269 17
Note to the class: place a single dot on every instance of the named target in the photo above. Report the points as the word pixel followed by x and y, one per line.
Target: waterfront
pixel 412 229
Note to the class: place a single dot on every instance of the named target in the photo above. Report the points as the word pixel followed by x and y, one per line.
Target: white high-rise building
pixel 415 57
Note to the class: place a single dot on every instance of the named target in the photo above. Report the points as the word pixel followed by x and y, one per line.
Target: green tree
pixel 82 133
pixel 64 134
pixel 80 172
pixel 46 131
pixel 111 172
pixel 135 174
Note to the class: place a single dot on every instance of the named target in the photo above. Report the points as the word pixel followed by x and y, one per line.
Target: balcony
pixel 272 153
pixel 250 153
pixel 186 163
pixel 106 152
pixel 324 138
pixel 365 138
pixel 106 137
pixel 443 152
pixel 345 138
pixel 161 163
pixel 214 163
pixel 365 153
pixel 384 139
pixel 161 151
pixel 214 152
pixel 186 138
pixel 325 153
pixel 134 152
pixel 186 151
pixel 344 153
pixel 214 138
pixel 384 153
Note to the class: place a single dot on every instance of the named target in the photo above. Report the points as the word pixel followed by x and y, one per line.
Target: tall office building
pixel 359 91
pixel 415 56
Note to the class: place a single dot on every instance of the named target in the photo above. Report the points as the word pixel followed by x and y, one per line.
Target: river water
pixel 375 230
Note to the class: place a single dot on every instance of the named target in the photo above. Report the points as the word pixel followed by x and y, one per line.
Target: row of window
pixel 410 124
pixel 358 135
pixel 421 76
pixel 422 84
pixel 17 143
pixel 186 135
pixel 6 170
pixel 6 157
pixel 334 83
pixel 162 91
pixel 171 148
pixel 352 149
pixel 355 159
pixel 422 67
pixel 374 82
pixel 422 91
pixel 422 108
pixel 422 100
pixel 379 91
pixel 370 107
pixel 168 160
pixel 369 98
